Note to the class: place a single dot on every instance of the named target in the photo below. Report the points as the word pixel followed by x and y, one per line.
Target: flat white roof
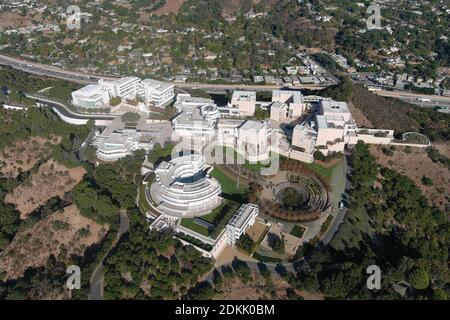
pixel 296 96
pixel 244 95
pixel 157 85
pixel 126 80
pixel 188 99
pixel 253 125
pixel 331 106
pixel 89 89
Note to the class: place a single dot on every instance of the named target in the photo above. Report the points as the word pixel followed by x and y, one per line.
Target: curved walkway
pixel 96 289
pixel 67 111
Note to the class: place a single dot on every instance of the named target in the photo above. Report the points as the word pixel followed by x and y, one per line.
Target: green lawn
pixel 228 184
pixel 219 217
pixel 60 93
pixel 256 166
pixel 323 171
pixel 190 224
pixel 297 231
pixel 213 216
pixel 143 204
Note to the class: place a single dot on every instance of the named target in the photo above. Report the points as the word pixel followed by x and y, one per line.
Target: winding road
pixel 96 289
pixel 339 218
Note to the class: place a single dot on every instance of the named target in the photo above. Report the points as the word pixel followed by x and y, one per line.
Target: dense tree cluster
pixel 246 243
pixel 20 125
pixel 46 282
pixel 436 156
pixel 408 240
pixel 276 242
pixel 110 187
pixel 151 265
pixel 201 13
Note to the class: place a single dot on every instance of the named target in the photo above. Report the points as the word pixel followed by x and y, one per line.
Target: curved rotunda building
pixel 183 187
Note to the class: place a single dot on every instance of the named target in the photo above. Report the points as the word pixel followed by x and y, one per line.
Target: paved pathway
pixel 96 290
pixel 339 217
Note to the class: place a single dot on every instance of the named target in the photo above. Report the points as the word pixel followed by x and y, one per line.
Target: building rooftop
pixel 241 216
pixel 189 100
pixel 244 96
pixel 288 96
pixel 321 122
pixel 126 79
pixel 278 105
pixel 157 85
pixel 89 89
pixel 306 130
pixel 251 125
pixel 198 117
pixel 331 106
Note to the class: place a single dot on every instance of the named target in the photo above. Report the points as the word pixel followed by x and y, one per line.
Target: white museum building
pixel 153 92
pixel 183 187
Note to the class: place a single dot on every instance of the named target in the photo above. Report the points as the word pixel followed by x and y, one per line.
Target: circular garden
pixel 295 194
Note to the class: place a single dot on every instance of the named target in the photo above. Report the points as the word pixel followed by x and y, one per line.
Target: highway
pixel 50 71
pixel 253 87
pixel 85 78
pixel 430 100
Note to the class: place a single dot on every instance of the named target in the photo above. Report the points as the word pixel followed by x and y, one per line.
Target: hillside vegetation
pixel 19 127
pixel 62 234
pixel 15 83
pixel 389 224
pixel 389 113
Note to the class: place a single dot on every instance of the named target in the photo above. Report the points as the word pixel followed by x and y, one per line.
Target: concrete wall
pixel 78 122
pixel 336 147
pixel 410 144
pixel 294 154
pixel 218 245
pixel 370 139
pixel 296 109
pixel 68 119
